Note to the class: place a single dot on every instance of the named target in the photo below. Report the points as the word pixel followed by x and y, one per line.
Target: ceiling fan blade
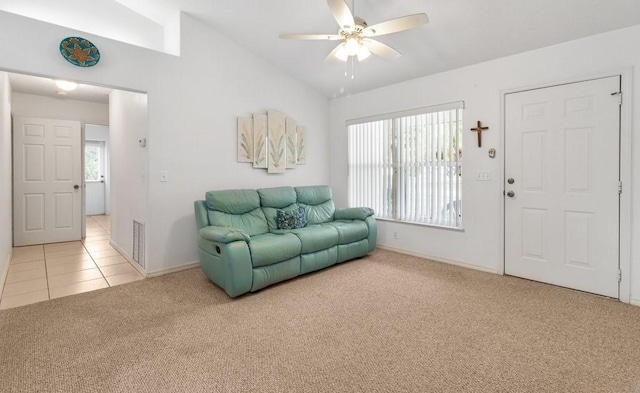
pixel 342 14
pixel 382 50
pixel 396 25
pixel 330 37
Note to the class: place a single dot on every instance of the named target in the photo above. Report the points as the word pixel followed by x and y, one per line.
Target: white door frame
pixel 625 171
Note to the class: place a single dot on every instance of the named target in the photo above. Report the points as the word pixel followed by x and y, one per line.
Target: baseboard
pixel 176 269
pixel 129 259
pixel 157 273
pixel 634 301
pixel 442 260
pixel 5 272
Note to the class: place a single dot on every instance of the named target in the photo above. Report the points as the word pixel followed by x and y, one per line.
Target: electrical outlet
pixel 395 235
pixel 164 176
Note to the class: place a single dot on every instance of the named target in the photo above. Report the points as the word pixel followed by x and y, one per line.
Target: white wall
pixel 6 211
pixel 481 87
pixel 106 18
pixel 94 132
pixel 202 93
pixel 193 103
pixel 129 165
pixel 29 105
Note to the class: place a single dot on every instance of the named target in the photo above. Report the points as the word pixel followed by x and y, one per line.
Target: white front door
pixel 561 182
pixel 94 170
pixel 47 196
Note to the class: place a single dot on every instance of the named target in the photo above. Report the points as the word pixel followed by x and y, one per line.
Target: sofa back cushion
pixel 274 199
pixel 238 209
pixel 317 202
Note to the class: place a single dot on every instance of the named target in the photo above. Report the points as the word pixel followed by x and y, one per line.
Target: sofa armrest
pixel 202 220
pixel 223 234
pixel 353 213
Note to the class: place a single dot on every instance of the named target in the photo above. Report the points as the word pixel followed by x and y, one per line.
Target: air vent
pixel 138 243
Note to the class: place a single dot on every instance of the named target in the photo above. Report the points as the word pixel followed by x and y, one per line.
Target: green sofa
pixel 242 250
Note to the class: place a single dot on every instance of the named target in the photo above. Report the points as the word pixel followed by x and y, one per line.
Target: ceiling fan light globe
pixel 363 53
pixel 341 54
pixel 352 46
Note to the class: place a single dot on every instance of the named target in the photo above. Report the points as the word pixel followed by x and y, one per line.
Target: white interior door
pixel 562 154
pixel 94 177
pixel 47 198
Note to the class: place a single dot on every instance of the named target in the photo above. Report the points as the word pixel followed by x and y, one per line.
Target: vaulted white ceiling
pixel 460 32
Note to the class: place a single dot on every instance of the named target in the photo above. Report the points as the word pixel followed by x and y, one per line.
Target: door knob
pixel 510 180
pixel 76 186
pixel 511 194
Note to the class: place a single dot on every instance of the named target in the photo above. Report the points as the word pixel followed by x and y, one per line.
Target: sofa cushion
pixel 237 208
pixel 317 202
pixel 277 197
pixel 233 201
pixel 316 237
pixel 291 219
pixel 350 231
pixel 269 248
pixel 274 199
pixel 253 222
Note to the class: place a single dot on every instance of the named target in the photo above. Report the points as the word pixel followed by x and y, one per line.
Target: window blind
pixel 408 167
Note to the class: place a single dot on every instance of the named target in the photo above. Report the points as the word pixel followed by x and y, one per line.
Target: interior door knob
pixel 76 186
pixel 511 194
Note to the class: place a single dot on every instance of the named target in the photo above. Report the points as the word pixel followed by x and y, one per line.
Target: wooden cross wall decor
pixel 479 130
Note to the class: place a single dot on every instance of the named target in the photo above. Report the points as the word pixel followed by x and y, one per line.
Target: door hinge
pixel 619 275
pixel 619 94
pixel 619 187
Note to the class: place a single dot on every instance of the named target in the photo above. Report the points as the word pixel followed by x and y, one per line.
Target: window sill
pixel 421 224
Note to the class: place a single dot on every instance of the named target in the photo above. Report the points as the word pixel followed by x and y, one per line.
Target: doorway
pixel 102 258
pixel 94 166
pixel 562 185
pixel 96 170
pixel 47 195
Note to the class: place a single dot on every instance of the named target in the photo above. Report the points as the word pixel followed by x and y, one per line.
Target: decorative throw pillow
pixel 291 219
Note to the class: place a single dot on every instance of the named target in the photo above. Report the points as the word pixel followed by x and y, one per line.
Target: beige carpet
pixel 384 323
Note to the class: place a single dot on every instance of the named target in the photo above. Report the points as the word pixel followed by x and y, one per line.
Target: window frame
pixel 101 161
pixel 401 168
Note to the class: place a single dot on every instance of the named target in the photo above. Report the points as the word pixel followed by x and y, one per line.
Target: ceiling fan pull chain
pixel 352 74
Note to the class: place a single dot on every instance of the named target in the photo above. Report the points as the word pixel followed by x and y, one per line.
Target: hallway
pixel 42 272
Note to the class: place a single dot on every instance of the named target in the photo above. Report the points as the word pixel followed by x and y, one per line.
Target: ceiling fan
pixel 357 36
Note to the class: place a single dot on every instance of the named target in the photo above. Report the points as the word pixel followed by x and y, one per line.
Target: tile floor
pixel 49 271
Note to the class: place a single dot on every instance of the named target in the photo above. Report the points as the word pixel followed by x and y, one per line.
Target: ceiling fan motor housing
pixel 360 25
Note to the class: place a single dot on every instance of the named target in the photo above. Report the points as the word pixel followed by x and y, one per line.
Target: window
pixel 93 166
pixel 407 166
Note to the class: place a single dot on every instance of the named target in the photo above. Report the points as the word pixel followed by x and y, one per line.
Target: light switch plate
pixel 483 175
